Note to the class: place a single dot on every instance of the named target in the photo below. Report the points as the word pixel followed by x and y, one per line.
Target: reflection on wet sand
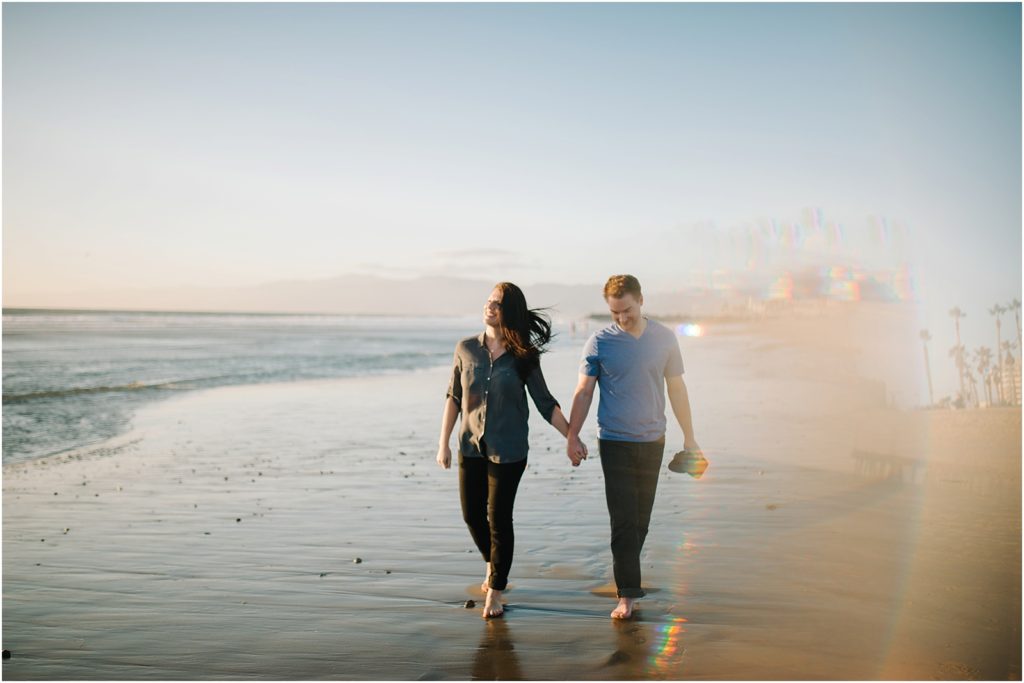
pixel 495 658
pixel 886 466
pixel 632 647
pixel 647 649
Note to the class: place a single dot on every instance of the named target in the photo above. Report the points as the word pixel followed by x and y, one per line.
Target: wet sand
pixel 303 531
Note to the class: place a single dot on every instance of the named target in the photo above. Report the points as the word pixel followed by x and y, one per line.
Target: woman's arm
pixel 448 417
pixel 545 402
pixel 559 422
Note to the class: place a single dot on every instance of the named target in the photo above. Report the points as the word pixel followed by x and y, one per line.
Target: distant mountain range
pixel 730 293
pixel 365 294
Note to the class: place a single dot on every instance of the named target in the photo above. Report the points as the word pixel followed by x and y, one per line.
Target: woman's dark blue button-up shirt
pixel 492 401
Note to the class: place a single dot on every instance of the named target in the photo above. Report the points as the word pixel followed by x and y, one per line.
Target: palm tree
pixel 925 338
pixel 997 311
pixel 958 351
pixel 1008 348
pixel 957 354
pixel 1015 307
pixel 1011 370
pixel 983 356
pixel 972 384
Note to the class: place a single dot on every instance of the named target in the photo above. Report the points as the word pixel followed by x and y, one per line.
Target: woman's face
pixel 492 309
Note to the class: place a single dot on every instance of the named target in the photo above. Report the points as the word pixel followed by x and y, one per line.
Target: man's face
pixel 625 311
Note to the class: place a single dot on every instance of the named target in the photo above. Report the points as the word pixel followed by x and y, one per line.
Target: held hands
pixel 576 450
pixel 444 456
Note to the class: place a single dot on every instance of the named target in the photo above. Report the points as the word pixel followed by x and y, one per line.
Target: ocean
pixel 74 379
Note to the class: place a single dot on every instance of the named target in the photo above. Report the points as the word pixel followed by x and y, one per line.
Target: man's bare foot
pixel 493 607
pixel 486 585
pixel 624 610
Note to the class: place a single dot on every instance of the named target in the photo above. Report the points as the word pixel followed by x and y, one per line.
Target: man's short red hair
pixel 620 285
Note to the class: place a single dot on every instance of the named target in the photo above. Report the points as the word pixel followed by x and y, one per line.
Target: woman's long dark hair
pixel 527 331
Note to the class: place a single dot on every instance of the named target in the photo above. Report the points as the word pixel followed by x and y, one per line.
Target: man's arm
pixel 680 400
pixel 581 400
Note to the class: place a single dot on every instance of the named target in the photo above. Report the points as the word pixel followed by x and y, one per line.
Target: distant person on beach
pixel 490 377
pixel 631 360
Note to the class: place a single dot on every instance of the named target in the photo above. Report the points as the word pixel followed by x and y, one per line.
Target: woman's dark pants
pixel 488 492
pixel 631 472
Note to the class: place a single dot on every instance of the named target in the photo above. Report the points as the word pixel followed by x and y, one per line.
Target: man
pixel 632 360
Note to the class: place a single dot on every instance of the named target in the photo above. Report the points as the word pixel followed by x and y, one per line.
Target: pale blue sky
pixel 173 144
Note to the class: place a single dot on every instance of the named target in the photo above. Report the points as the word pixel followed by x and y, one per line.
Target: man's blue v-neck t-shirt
pixel 631 376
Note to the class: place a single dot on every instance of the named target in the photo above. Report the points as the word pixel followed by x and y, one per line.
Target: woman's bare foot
pixel 493 607
pixel 624 610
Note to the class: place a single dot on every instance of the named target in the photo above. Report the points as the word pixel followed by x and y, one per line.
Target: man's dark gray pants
pixel 631 472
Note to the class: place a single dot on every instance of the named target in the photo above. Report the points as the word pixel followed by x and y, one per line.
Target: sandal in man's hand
pixel 691 462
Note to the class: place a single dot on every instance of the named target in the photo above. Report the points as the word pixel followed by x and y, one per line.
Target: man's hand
pixel 576 450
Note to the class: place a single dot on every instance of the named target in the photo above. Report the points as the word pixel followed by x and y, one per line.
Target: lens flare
pixel 690 330
pixel 782 288
pixel 669 645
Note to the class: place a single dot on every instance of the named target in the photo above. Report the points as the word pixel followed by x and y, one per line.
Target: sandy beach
pixel 303 531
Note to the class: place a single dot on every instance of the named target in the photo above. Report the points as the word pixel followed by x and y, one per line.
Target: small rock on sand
pixel 470 604
pixel 358 560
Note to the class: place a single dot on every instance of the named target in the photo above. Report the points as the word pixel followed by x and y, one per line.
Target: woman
pixel 491 375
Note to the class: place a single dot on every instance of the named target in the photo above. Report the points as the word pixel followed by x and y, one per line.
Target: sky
pixel 165 145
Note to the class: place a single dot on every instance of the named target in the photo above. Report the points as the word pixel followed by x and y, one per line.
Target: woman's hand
pixel 444 456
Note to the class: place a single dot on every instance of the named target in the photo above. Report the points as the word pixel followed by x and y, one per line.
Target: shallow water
pixel 76 378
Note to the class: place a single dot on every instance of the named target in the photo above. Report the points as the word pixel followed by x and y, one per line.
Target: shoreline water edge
pixel 301 530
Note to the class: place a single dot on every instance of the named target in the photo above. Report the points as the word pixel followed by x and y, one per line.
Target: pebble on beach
pixel 470 604
pixel 7 654
pixel 358 560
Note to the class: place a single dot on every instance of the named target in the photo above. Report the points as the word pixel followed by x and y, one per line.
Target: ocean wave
pixel 77 391
pixel 75 378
